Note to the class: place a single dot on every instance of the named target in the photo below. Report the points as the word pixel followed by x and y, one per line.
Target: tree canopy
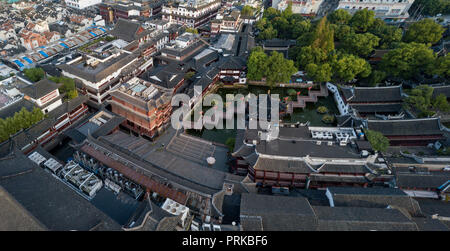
pixel 430 7
pixel 279 69
pixel 275 68
pixel 421 99
pixel 362 20
pixel 67 86
pixel 442 67
pixel 348 67
pixel 257 64
pixel 361 44
pixel 34 74
pixel 247 11
pixel 22 119
pixel 408 60
pixel 425 31
pixel 340 16
pixel 378 141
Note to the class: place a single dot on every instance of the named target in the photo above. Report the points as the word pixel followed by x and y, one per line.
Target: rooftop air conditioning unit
pixel 330 143
pixel 318 143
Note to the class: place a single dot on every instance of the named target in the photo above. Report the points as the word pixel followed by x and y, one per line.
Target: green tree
pixel 299 27
pixel 340 16
pixel 292 92
pixel 443 67
pixel 271 13
pixel 376 77
pixel 361 44
pixel 268 33
pixel 67 86
pixel 388 34
pixel 441 103
pixel 247 11
pixel 421 100
pixel 34 74
pixel 192 30
pixel 322 109
pixel 328 119
pixel 230 143
pixel 342 31
pixel 323 36
pixel 431 7
pixel 257 64
pixel 72 94
pixel 408 60
pixel 279 69
pixel 22 119
pixel 378 141
pixel 310 55
pixel 319 73
pixel 189 75
pixel 287 13
pixel 362 20
pixel 426 31
pixel 348 67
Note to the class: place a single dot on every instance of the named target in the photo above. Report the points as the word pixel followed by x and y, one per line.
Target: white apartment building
pixel 303 7
pixel 191 13
pixel 81 4
pixel 385 9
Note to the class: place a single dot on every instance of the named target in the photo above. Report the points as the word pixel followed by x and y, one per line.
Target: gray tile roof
pixel 277 213
pixel 282 165
pixel 362 219
pixel 374 198
pixel 40 88
pixel 423 181
pixel 61 208
pixel 372 94
pixel 14 217
pixel 127 30
pixel 410 127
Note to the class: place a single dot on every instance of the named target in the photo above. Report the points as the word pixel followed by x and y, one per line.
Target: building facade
pixel 191 13
pixel 303 7
pixel 145 106
pixel 389 10
pixel 81 4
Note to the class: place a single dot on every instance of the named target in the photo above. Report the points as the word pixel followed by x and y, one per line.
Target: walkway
pixel 312 97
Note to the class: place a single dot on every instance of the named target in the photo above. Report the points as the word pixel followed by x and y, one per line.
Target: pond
pixel 310 114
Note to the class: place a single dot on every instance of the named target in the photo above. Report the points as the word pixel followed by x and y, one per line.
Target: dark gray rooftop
pixel 362 219
pixel 373 94
pixel 40 88
pixel 49 200
pixel 410 127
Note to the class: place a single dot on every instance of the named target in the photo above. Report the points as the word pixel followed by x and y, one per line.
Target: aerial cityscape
pixel 224 115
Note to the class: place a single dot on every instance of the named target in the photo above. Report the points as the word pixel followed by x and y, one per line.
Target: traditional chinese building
pixel 409 132
pixel 112 11
pixel 145 106
pixel 226 23
pixel 309 157
pixel 373 100
pixel 99 71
